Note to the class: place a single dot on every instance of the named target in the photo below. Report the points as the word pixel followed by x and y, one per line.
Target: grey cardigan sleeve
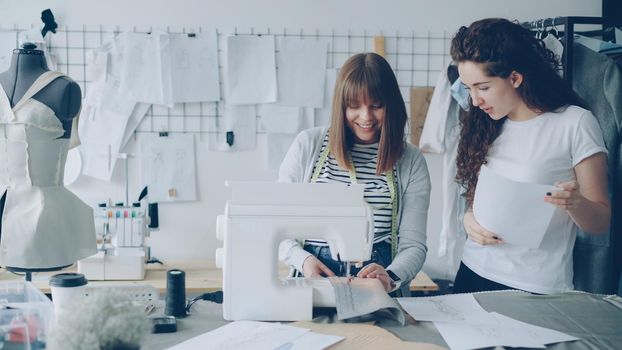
pixel 414 201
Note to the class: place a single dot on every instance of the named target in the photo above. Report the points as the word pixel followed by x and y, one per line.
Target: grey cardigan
pixel 413 184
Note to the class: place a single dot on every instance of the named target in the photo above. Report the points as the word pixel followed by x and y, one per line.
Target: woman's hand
pixel 476 232
pixel 374 270
pixel 568 198
pixel 313 267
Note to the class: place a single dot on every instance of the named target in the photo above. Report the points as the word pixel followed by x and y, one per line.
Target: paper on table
pixel 194 67
pixel 540 334
pixel 446 308
pixel 302 64
pixel 362 296
pixel 280 119
pixel 243 335
pixel 359 336
pixel 250 70
pixel 8 42
pixel 242 121
pixel 498 332
pixel 311 341
pixel 169 167
pixel 515 211
pixel 322 115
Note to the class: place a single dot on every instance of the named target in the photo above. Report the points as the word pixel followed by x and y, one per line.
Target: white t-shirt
pixel 541 150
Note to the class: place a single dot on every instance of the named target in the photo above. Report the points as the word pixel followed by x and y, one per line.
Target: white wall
pixel 187 229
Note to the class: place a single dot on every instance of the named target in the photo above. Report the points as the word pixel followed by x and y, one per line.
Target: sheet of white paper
pixel 97 64
pixel 102 128
pixel 463 336
pixel 362 296
pixel 194 67
pixel 168 166
pixel 446 308
pixel 515 211
pixel 146 68
pixel 312 341
pixel 138 113
pixel 279 119
pixel 322 115
pixel 301 73
pixel 250 70
pixel 8 42
pixel 242 121
pixel 540 334
pixel 242 335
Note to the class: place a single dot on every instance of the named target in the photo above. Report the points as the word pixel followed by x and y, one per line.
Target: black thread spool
pixel 175 293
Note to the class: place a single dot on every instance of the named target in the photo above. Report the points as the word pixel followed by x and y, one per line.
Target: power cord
pixel 215 297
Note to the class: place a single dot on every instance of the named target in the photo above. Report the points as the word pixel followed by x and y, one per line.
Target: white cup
pixel 67 289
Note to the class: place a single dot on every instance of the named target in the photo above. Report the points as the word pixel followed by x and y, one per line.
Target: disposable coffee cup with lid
pixel 67 289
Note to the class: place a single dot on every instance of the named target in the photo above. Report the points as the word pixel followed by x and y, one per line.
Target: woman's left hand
pixel 569 198
pixel 374 270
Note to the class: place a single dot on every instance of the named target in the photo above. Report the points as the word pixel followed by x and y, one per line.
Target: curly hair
pixel 503 47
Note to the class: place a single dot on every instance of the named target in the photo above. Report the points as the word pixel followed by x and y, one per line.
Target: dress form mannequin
pixel 36 120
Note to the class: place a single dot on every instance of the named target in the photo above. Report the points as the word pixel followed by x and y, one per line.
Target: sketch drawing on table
pixel 447 309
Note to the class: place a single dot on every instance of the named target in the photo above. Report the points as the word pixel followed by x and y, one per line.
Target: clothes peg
pixel 49 24
pixel 230 137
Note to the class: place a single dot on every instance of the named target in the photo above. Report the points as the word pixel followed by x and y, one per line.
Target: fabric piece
pixel 598 80
pixel 433 135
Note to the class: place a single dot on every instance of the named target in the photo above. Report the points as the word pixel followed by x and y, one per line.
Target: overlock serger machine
pixel 122 253
pixel 258 217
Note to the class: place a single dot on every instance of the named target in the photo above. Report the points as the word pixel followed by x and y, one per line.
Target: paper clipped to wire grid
pixel 250 72
pixel 301 74
pixel 169 167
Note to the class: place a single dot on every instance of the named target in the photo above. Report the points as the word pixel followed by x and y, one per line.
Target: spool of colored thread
pixel 175 293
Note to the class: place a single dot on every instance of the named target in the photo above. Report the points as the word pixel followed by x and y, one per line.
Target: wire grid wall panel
pixel 416 58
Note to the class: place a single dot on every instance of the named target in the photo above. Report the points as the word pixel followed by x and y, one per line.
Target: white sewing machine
pixel 258 217
pixel 122 253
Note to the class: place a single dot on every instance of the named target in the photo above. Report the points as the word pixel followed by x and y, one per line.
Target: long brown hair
pixel 368 75
pixel 502 47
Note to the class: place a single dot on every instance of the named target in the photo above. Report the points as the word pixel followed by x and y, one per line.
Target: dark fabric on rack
pixel 597 78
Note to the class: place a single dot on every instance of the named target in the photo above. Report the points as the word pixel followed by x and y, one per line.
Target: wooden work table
pixel 201 276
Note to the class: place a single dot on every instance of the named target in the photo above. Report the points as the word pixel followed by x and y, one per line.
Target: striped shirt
pixel 376 192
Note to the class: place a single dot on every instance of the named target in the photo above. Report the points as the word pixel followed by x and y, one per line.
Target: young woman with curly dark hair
pixel 525 124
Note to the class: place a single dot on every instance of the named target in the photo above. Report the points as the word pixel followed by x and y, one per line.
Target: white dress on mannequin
pixel 44 225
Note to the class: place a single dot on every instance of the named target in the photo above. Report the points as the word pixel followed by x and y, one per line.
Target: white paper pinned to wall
pixel 250 70
pixel 194 67
pixel 168 167
pixel 301 73
pixel 280 119
pixel 8 42
pixel 241 124
pixel 146 68
pixel 322 115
